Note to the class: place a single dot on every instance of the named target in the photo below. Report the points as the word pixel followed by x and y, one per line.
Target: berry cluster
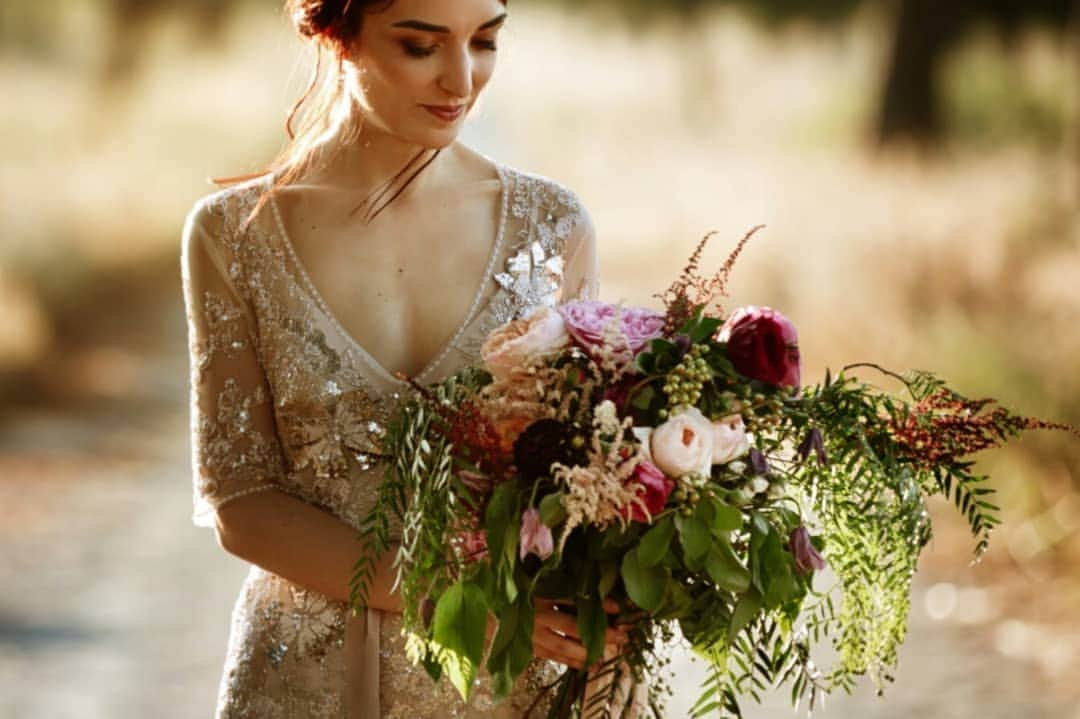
pixel 683 385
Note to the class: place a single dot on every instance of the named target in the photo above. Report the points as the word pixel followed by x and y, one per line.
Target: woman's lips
pixel 444 112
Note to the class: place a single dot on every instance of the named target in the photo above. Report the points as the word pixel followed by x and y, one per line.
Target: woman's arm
pixel 237 459
pixel 303 544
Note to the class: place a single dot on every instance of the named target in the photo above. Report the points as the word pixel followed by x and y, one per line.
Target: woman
pixel 377 244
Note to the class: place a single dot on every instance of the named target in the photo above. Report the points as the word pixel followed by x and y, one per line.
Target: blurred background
pixel 917 164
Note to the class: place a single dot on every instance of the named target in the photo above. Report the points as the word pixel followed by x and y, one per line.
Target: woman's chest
pixel 401 288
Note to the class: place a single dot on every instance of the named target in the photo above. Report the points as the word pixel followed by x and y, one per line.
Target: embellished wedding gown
pixel 283 399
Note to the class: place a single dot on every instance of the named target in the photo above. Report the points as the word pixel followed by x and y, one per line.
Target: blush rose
pixel 516 343
pixel 683 444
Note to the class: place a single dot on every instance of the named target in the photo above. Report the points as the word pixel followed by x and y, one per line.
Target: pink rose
pixel 535 535
pixel 729 439
pixel 587 319
pixel 763 345
pixel 515 343
pixel 657 488
pixel 683 444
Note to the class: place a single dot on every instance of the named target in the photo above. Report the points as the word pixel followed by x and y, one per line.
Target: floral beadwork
pixel 282 399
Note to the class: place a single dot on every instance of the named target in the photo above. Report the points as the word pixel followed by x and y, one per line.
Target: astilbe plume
pixel 692 291
pixel 600 492
pixel 944 427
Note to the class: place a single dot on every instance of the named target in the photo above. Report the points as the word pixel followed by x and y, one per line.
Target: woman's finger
pixel 557 622
pixel 557 648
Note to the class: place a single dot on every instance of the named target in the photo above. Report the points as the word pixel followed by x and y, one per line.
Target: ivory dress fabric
pixel 283 399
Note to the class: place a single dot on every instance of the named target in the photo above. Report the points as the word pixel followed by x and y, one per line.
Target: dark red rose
pixel 763 345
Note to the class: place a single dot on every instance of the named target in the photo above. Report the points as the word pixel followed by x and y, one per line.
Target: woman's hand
pixel 556 637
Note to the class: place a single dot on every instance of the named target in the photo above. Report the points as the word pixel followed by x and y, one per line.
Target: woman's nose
pixel 456 79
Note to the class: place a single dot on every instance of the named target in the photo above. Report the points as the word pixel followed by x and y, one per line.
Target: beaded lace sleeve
pixel 234 443
pixel 581 276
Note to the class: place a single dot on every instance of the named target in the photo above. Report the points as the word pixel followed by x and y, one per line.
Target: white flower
pixel 759 485
pixel 729 439
pixel 644 436
pixel 683 444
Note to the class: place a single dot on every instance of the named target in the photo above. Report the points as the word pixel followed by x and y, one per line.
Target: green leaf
pixel 510 586
pixel 497 520
pixel 609 573
pixel 552 512
pixel 703 329
pixel 726 518
pixel 459 628
pixel 521 646
pixel 645 586
pixel 643 397
pixel 725 569
pixel 508 625
pixel 460 671
pixel 656 542
pixel 677 601
pixel 592 626
pixel 746 609
pixel 694 534
pixel 646 362
pixel 777 572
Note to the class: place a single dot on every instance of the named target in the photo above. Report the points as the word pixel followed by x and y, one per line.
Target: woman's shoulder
pixel 227 206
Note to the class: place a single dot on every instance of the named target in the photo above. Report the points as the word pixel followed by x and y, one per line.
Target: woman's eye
pixel 418 50
pixel 486 45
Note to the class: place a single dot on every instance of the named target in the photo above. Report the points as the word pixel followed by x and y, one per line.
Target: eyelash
pixel 421 51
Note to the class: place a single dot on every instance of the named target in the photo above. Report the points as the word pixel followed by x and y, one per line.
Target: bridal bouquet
pixel 672 463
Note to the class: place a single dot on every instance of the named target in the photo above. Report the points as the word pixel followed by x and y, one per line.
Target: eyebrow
pixel 428 27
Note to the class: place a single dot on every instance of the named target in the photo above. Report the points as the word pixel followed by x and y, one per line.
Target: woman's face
pixel 423 63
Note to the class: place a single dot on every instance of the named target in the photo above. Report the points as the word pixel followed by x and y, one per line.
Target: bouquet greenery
pixel 674 464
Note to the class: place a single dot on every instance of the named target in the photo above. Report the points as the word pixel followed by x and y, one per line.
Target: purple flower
pixel 758 462
pixel 807 558
pixel 587 319
pixel 813 441
pixel 535 535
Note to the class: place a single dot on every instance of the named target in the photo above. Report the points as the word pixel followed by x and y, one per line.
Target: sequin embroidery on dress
pixel 281 399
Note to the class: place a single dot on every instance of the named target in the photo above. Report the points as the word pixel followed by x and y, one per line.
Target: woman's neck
pixel 366 160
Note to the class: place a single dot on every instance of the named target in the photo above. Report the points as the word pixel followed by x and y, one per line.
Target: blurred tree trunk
pixel 130 21
pixel 911 104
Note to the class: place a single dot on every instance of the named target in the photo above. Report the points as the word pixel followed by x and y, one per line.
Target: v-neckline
pixel 366 356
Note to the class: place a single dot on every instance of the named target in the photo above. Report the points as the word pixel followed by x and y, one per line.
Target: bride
pixel 377 244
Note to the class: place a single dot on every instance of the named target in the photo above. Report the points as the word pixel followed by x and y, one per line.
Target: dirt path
pixel 113 605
